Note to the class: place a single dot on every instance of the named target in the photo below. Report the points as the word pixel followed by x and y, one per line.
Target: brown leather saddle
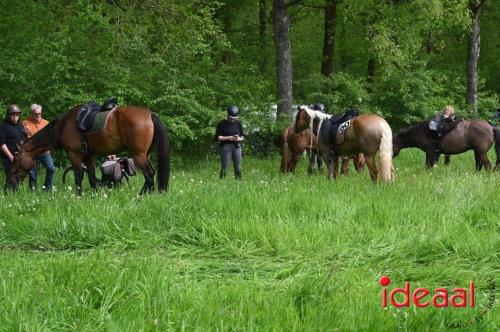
pixel 340 134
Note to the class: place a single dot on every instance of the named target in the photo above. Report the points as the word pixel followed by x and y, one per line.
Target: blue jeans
pixel 50 170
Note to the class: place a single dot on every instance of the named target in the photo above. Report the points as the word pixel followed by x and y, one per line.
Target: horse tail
pixel 385 149
pixel 160 140
pixel 285 151
pixel 496 134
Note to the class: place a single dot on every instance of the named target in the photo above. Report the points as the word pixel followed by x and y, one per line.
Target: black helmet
pixel 233 111
pixel 352 111
pixel 318 107
pixel 13 109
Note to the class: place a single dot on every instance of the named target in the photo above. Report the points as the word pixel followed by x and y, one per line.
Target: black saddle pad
pixel 331 126
pixel 328 131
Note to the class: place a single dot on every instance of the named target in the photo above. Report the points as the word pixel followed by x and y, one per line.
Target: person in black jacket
pixel 12 133
pixel 229 134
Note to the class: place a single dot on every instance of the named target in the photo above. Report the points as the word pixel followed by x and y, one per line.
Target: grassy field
pixel 273 252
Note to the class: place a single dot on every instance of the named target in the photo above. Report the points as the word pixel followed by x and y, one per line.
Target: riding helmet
pixel 319 107
pixel 13 109
pixel 233 111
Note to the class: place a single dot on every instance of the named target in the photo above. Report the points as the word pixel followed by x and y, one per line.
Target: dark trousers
pixel 230 151
pixel 6 166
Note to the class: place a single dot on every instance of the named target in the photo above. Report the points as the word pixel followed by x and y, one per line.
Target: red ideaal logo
pixel 460 297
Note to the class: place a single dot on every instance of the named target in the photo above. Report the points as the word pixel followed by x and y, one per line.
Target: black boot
pixel 237 175
pixel 222 174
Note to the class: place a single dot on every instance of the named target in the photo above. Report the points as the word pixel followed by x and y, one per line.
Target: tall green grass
pixel 272 252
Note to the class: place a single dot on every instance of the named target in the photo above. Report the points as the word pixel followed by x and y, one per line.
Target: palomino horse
pixel 294 144
pixel 474 134
pixel 131 128
pixel 366 134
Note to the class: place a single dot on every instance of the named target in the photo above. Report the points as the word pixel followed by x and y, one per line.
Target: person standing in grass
pixel 229 134
pixel 12 134
pixel 34 124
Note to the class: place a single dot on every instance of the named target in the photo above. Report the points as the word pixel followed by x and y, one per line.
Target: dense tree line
pixel 186 60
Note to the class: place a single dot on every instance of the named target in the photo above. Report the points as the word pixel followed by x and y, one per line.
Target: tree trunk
pixel 281 25
pixel 329 38
pixel 263 33
pixel 473 58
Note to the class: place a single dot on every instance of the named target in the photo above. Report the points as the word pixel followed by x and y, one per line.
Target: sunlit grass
pixel 272 252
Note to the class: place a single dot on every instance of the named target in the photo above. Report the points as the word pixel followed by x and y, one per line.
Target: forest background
pixel 188 60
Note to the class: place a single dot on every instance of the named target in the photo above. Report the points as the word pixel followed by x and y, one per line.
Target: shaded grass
pixel 273 252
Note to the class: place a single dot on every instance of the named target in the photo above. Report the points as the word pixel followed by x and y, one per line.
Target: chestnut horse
pixel 367 134
pixel 474 134
pixel 294 144
pixel 131 128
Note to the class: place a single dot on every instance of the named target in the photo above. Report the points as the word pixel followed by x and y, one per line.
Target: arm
pixel 226 138
pixel 241 136
pixel 3 146
pixel 6 151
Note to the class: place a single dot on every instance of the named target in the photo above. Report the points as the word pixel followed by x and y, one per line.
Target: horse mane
pixel 313 115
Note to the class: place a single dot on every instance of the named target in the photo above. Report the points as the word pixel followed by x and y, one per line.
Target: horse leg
pixel 370 162
pixel 429 159
pixel 483 158
pixel 90 162
pixel 147 170
pixel 331 173
pixel 319 161
pixel 295 160
pixel 77 162
pixel 312 162
pixel 477 158
pixel 446 159
pixel 359 162
pixel 345 166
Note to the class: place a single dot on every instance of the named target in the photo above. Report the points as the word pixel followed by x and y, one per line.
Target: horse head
pixel 22 163
pixel 405 138
pixel 302 120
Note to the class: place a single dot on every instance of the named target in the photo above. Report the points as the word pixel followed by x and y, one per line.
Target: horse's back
pixel 371 124
pixel 473 133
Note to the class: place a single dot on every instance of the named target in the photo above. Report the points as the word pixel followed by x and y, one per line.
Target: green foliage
pixel 337 93
pixel 187 60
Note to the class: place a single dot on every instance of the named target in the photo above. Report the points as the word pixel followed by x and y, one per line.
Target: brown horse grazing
pixel 467 135
pixel 366 134
pixel 134 129
pixel 294 144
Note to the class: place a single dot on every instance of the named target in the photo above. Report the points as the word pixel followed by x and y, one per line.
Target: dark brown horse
pixel 134 129
pixel 497 146
pixel 474 134
pixel 366 134
pixel 294 144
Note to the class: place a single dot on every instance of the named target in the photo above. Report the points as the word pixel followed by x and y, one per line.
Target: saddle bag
pixel 111 170
pixel 128 166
